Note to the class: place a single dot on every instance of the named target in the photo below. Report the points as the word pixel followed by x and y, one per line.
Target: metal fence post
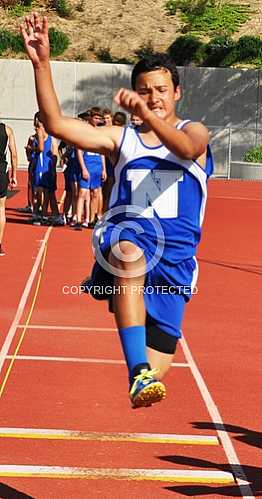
pixel 229 153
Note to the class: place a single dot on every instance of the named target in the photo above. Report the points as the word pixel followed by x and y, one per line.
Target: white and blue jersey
pixel 158 202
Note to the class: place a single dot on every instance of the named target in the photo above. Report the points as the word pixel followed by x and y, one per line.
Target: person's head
pixel 38 121
pixel 119 119
pixel 156 80
pixel 135 120
pixel 96 116
pixel 84 116
pixel 107 117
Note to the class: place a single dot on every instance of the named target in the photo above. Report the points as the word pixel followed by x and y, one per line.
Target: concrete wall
pixel 221 98
pixel 246 171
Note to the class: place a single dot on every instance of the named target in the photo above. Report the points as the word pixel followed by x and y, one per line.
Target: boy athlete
pixel 149 236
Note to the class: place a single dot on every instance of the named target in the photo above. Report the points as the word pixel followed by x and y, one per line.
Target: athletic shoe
pixel 26 209
pixel 45 221
pixel 36 220
pixel 58 221
pixel 72 223
pixel 77 226
pixel 84 225
pixel 146 389
pixel 2 253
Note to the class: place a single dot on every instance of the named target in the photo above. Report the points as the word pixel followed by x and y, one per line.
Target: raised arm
pixel 35 34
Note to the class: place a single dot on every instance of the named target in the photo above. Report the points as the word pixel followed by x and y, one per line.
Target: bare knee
pixel 127 256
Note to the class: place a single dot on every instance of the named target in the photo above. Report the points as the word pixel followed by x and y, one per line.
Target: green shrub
pixel 62 7
pixel 11 41
pixel 186 49
pixel 59 41
pixel 205 16
pixel 5 40
pixel 19 8
pixel 16 43
pixel 217 49
pixel 249 47
pixel 254 155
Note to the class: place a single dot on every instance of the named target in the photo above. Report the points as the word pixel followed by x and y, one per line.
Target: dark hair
pixel 37 117
pixel 154 62
pixel 120 118
pixel 107 111
pixel 96 111
pixel 84 115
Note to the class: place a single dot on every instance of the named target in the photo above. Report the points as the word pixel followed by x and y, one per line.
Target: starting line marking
pixel 163 475
pixel 79 359
pixel 69 328
pixel 120 437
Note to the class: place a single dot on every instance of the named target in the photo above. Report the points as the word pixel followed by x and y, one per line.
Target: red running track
pixel 68 373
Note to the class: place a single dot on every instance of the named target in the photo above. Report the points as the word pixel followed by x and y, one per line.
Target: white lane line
pixel 51 434
pixel 78 359
pixel 225 440
pixel 163 475
pixel 68 328
pixel 20 309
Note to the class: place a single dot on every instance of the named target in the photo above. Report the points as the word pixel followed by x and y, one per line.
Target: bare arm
pixel 54 151
pixel 84 170
pixel 35 35
pixel 188 143
pixel 104 175
pixel 13 155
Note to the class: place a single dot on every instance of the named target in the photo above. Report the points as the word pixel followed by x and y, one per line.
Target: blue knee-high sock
pixel 133 340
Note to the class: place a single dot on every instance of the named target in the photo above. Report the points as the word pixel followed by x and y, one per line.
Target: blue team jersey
pixel 170 193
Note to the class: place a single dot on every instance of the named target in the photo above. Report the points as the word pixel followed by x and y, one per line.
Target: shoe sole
pixel 151 394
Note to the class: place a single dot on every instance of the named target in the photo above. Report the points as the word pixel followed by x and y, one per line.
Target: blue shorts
pixel 95 179
pixel 166 290
pixel 82 183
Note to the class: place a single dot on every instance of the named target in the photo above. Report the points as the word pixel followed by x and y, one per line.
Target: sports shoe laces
pixel 144 377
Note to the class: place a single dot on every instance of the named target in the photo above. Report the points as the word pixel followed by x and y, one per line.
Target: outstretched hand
pixel 34 31
pixel 131 102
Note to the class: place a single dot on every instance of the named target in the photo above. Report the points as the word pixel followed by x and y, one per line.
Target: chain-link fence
pixel 229 146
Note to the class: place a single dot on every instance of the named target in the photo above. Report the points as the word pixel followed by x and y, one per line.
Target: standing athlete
pixel 146 246
pixel 7 142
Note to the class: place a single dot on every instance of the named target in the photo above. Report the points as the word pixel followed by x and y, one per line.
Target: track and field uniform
pixel 73 166
pixel 48 178
pixel 161 201
pixel 93 162
pixel 3 162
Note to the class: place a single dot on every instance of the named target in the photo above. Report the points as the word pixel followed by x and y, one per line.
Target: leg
pixel 87 207
pixel 93 204
pixel 80 204
pixel 100 203
pixel 129 309
pixel 160 361
pixel 2 222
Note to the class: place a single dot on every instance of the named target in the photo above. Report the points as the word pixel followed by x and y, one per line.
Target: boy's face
pixel 135 120
pixel 95 120
pixel 39 125
pixel 107 119
pixel 157 89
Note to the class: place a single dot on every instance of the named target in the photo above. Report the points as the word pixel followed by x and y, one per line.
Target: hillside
pixel 120 27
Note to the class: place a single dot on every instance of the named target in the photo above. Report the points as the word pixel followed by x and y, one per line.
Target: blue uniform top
pixel 168 197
